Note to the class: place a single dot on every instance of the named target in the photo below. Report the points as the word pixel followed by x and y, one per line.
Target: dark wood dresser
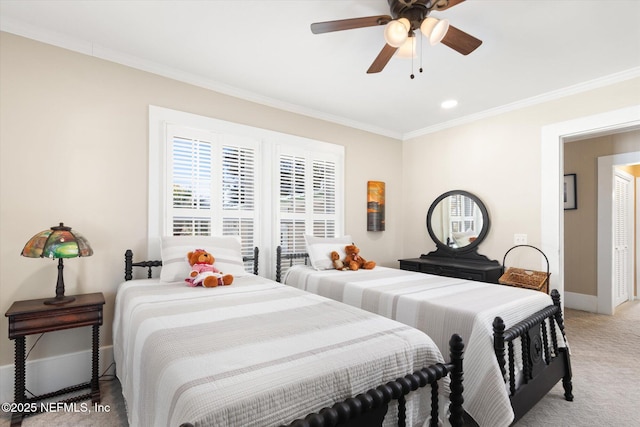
pixel 478 270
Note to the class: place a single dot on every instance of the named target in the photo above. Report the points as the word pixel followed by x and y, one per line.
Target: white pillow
pixel 320 248
pixel 226 250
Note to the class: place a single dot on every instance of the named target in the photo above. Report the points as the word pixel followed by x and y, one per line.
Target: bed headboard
pixel 129 264
pixel 280 256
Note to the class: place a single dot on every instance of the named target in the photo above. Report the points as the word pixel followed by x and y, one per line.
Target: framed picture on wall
pixel 375 205
pixel 570 192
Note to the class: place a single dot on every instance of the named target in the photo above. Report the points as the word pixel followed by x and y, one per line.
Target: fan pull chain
pixel 412 76
pixel 421 54
pixel 412 56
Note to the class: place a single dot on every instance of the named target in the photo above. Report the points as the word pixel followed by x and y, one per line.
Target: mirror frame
pixel 486 224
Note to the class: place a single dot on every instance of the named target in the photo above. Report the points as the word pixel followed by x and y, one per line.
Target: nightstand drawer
pixel 34 317
pixel 486 271
pixel 28 324
pixel 410 266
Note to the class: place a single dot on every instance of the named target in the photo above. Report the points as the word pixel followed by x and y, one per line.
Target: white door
pixel 622 236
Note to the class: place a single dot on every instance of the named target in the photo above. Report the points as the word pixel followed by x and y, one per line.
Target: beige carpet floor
pixel 606 380
pixel 605 359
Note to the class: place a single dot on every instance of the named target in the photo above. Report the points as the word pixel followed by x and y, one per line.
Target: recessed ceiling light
pixel 450 103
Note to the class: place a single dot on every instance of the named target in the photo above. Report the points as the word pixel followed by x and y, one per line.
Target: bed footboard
pixel 369 409
pixel 544 363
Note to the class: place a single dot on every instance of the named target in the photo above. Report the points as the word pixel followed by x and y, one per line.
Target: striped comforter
pixel 439 306
pixel 256 353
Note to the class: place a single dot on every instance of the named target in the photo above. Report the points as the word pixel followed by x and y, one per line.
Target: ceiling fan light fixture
pixel 396 32
pixel 408 48
pixel 434 29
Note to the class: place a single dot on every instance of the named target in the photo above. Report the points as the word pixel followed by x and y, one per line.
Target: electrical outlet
pixel 519 239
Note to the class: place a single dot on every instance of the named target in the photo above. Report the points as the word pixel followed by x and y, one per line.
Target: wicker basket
pixel 523 278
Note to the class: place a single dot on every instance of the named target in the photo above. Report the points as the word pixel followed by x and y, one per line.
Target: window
pixel 210 177
pixel 462 214
pixel 203 167
pixel 308 198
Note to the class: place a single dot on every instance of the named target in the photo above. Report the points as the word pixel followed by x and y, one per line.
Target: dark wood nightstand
pixel 34 317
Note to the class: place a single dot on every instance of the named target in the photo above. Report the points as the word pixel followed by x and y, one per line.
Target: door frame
pixel 552 179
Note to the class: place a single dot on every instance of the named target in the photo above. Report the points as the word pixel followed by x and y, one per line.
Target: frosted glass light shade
pixel 396 32
pixel 434 29
pixel 408 48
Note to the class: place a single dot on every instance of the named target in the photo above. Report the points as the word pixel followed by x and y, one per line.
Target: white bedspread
pixel 439 306
pixel 256 353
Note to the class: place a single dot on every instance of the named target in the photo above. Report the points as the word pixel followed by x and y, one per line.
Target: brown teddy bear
pixel 354 261
pixel 203 272
pixel 338 264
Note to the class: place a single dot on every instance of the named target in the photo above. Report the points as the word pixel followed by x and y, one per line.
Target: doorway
pixel 552 180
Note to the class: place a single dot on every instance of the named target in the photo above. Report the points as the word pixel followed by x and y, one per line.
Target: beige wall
pixel 73 148
pixel 580 225
pixel 498 159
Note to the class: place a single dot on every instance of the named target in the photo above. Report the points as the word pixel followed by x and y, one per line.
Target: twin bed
pixel 260 353
pixel 515 346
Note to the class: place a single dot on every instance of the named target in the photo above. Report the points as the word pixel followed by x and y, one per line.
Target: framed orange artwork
pixel 375 206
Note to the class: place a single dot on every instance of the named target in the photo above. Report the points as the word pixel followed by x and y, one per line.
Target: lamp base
pixel 59 300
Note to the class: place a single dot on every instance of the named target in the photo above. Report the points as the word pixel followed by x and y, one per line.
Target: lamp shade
pixel 58 242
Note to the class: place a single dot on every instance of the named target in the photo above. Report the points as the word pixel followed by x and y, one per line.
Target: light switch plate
pixel 519 239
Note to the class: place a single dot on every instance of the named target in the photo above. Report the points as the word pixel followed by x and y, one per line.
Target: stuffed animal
pixel 338 264
pixel 203 272
pixel 354 261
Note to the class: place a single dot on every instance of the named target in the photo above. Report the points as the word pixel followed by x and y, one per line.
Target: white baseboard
pixel 581 302
pixel 53 373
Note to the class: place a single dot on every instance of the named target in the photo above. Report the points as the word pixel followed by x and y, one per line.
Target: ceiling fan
pixel 407 16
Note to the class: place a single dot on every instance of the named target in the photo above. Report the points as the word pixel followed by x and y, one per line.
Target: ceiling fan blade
pixel 349 24
pixel 460 41
pixel 382 59
pixel 446 4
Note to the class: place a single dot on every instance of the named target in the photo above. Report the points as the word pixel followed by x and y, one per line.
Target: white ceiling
pixel 264 51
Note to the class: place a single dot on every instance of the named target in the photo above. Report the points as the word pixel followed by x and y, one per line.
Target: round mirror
pixel 457 221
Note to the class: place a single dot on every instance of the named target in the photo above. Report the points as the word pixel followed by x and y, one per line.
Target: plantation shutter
pixel 239 195
pixel 190 187
pixel 212 186
pixel 307 199
pixel 292 202
pixel 324 198
pixel 462 213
